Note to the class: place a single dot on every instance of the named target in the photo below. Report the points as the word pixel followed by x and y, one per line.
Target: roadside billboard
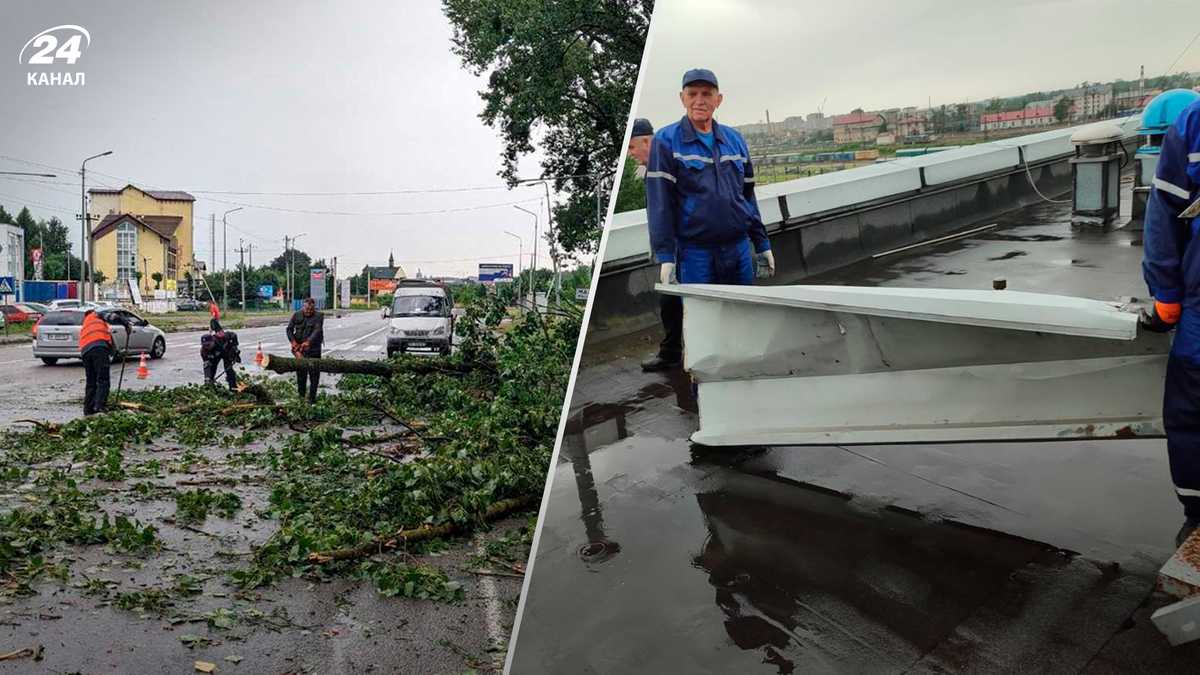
pixel 493 272
pixel 316 278
pixel 382 285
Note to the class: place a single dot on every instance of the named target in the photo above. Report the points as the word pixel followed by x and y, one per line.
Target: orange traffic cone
pixel 143 371
pixel 258 357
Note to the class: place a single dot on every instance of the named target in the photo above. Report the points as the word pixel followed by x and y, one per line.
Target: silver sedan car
pixel 57 335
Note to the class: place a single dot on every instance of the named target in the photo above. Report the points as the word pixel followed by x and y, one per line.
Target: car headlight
pixel 440 330
pixel 396 330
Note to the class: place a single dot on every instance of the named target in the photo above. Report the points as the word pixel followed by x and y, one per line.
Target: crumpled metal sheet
pixel 836 364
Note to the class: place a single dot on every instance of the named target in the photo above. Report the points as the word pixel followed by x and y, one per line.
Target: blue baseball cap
pixel 700 75
pixel 642 127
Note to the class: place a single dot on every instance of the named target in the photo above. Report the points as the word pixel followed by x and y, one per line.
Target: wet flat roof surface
pixel 657 556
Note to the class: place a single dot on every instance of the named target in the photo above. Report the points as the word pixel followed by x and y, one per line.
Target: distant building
pixel 12 257
pixel 147 231
pixel 856 127
pixel 1016 119
pixel 1089 102
pixel 912 124
pixel 1134 99
pixel 792 125
pixel 384 278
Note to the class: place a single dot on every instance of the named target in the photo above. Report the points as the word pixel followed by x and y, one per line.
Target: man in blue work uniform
pixel 1172 270
pixel 670 307
pixel 703 218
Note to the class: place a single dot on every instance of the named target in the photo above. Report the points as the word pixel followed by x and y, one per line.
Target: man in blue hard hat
pixel 703 218
pixel 1172 271
pixel 670 350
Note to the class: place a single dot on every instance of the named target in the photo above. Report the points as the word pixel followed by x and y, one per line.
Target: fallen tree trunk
pixel 288 364
pixel 497 510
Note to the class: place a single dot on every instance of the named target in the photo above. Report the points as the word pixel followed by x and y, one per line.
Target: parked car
pixel 14 314
pixel 420 318
pixel 38 307
pixel 35 310
pixel 72 304
pixel 57 335
pixel 190 305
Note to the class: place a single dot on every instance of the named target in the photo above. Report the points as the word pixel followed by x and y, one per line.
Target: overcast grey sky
pixel 275 96
pixel 788 56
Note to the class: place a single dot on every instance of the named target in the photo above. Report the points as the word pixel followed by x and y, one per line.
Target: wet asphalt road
pixel 656 556
pixel 341 626
pixel 30 389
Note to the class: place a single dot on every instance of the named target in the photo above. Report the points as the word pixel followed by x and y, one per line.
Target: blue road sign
pixel 495 272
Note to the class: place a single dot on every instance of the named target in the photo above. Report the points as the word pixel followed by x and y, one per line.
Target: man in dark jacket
pixel 306 331
pixel 670 350
pixel 216 347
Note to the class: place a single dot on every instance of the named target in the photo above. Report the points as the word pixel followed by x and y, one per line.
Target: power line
pixel 431 212
pixel 319 212
pixel 1185 51
pixel 26 202
pixel 409 191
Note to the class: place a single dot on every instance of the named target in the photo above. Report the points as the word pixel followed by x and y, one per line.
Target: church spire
pixel 391 260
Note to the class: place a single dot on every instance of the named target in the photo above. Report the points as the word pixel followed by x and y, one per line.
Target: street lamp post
pixel 520 258
pixel 292 270
pixel 225 258
pixel 85 248
pixel 533 263
pixel 242 264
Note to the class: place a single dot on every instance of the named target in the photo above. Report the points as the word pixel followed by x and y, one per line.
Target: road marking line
pixel 491 613
pixel 364 337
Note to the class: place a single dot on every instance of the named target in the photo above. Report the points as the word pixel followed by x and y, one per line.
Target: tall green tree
pixel 631 195
pixel 561 75
pixel 1062 108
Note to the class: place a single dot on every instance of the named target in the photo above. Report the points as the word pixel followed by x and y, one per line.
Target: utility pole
pixel 287 284
pixel 212 237
pixel 225 257
pixel 520 262
pixel 291 265
pixel 242 252
pixel 335 288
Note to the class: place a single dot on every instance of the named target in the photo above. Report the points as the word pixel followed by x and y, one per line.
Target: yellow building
pixel 147 231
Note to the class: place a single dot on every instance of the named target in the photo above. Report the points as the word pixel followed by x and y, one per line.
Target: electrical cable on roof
pixel 1032 184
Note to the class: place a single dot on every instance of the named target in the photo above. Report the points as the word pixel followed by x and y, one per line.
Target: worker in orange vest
pixel 96 349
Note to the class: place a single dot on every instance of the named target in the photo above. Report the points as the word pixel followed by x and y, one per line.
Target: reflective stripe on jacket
pixel 94 330
pixel 699 196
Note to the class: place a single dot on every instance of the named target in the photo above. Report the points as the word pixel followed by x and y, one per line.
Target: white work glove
pixel 666 273
pixel 769 258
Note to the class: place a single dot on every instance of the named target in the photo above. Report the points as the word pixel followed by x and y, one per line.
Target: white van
pixel 420 318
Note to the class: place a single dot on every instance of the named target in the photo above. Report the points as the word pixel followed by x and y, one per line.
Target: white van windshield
pixel 417 305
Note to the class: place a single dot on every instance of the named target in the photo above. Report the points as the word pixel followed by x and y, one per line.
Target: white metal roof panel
pixel 839 189
pixel 628 236
pixel 1014 310
pixel 962 163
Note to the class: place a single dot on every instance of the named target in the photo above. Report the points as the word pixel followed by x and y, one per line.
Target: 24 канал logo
pixel 57 47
